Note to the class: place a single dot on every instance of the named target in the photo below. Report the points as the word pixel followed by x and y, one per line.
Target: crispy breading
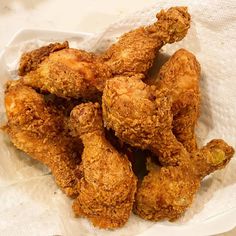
pixel 181 75
pixel 31 60
pixel 76 73
pixel 69 73
pixel 167 192
pixel 141 116
pixel 108 185
pixel 135 51
pixel 39 130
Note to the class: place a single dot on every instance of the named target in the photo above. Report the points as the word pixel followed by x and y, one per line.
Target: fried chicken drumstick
pixel 38 129
pixel 76 73
pixel 136 50
pixel 141 116
pixel 108 185
pixel 181 74
pixel 67 72
pixel 166 192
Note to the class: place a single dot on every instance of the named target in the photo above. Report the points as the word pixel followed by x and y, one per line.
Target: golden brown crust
pixel 75 73
pixel 181 75
pixel 108 184
pixel 186 113
pixel 85 119
pixel 141 116
pixel 69 73
pixel 172 24
pixel 167 192
pixel 135 51
pixel 30 61
pixel 39 130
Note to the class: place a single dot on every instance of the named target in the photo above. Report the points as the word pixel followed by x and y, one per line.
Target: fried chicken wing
pixel 38 129
pixel 141 116
pixel 181 74
pixel 75 73
pixel 166 192
pixel 108 185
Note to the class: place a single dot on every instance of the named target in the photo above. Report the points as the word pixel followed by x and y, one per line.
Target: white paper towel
pixel 31 203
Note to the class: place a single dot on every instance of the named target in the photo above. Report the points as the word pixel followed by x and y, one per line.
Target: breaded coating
pixel 167 192
pixel 108 185
pixel 75 73
pixel 141 116
pixel 135 51
pixel 31 60
pixel 68 73
pixel 181 74
pixel 39 130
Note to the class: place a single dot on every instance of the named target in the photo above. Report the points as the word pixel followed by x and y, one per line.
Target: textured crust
pixel 74 73
pixel 31 60
pixel 181 75
pixel 39 130
pixel 69 73
pixel 141 116
pixel 167 192
pixel 108 184
pixel 135 51
pixel 186 113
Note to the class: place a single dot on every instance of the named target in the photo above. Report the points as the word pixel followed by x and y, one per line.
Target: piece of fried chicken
pixel 38 129
pixel 141 116
pixel 65 72
pixel 108 185
pixel 136 50
pixel 181 74
pixel 76 73
pixel 167 192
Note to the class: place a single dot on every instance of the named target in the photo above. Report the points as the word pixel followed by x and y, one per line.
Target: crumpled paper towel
pixel 31 203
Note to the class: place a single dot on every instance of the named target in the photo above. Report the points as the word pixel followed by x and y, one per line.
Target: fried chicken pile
pixel 86 116
pixel 74 73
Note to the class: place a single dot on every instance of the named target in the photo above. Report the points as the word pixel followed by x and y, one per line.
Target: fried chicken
pixel 108 185
pixel 181 74
pixel 68 73
pixel 141 116
pixel 59 127
pixel 166 192
pixel 38 129
pixel 136 50
pixel 76 73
